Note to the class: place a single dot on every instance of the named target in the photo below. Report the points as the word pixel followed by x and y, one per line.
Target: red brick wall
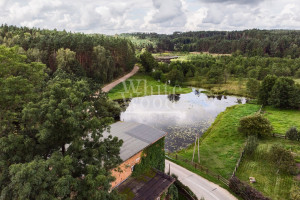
pixel 125 169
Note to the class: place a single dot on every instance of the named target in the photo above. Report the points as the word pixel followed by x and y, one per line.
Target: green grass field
pixel 282 119
pixel 271 184
pixel 221 144
pixel 232 87
pixel 143 85
pixel 297 80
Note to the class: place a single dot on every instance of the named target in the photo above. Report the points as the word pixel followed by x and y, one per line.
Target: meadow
pixel 271 183
pixel 144 85
pixel 282 119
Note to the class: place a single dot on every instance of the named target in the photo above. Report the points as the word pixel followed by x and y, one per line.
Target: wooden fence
pixel 201 168
pixel 239 161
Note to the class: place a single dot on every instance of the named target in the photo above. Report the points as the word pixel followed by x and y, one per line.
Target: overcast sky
pixel 162 16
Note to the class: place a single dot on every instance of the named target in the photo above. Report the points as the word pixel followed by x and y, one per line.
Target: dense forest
pixel 96 56
pixel 273 43
pixel 51 121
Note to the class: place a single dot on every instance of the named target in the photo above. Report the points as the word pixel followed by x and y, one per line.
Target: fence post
pixel 176 156
pixel 218 177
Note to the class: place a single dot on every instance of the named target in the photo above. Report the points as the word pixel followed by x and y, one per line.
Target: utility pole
pixel 198 148
pixel 194 148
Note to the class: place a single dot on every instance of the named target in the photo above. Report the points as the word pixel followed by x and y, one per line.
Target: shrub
pixel 244 190
pixel 293 134
pixel 256 125
pixel 176 77
pixel 251 145
pixel 157 74
pixel 283 159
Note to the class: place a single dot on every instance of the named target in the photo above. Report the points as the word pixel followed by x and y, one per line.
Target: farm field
pixel 272 184
pixel 143 85
pixel 282 119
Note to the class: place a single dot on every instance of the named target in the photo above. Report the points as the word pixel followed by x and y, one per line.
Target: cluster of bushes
pixel 257 126
pixel 293 134
pixel 244 190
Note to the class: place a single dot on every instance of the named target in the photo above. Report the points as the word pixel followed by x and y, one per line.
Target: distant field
pixel 297 80
pixel 269 182
pixel 143 85
pixel 222 144
pixel 282 119
pixel 232 87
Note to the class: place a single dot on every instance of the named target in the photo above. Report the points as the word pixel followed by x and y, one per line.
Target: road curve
pixel 200 186
pixel 110 86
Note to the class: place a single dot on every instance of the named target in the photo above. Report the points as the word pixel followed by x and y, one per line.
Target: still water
pixel 181 116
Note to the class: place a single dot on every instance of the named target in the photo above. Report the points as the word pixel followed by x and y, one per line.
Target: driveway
pixel 110 86
pixel 200 186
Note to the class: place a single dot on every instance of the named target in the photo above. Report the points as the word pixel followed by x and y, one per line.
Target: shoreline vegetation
pixel 144 85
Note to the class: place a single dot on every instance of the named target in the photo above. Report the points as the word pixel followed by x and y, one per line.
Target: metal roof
pixel 135 136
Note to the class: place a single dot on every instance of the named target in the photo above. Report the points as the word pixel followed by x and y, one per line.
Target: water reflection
pixel 181 116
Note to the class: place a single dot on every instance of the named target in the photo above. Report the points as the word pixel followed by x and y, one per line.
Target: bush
pixel 157 74
pixel 293 134
pixel 283 159
pixel 176 77
pixel 252 143
pixel 256 125
pixel 244 190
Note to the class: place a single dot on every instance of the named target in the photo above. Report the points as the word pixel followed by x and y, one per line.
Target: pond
pixel 182 116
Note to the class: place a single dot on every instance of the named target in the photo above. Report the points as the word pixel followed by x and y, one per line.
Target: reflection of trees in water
pixel 174 97
pixel 219 97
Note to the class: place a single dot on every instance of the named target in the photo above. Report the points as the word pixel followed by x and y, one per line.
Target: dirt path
pixel 110 86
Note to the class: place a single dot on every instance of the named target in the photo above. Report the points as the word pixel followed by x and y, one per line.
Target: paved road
pixel 200 186
pixel 110 86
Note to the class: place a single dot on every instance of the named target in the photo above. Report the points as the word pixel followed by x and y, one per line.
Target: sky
pixel 161 16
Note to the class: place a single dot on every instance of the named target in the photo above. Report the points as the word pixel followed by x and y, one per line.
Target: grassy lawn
pixel 282 119
pixel 232 87
pixel 143 85
pixel 221 144
pixel 271 184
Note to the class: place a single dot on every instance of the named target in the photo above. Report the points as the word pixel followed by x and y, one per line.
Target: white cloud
pixel 167 16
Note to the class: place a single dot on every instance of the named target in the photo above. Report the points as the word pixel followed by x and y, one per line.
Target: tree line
pixel 96 56
pixel 272 43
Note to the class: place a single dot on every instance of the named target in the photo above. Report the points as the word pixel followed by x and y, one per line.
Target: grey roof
pixel 135 136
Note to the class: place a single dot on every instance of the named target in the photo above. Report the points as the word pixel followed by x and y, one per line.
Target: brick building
pixel 136 138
